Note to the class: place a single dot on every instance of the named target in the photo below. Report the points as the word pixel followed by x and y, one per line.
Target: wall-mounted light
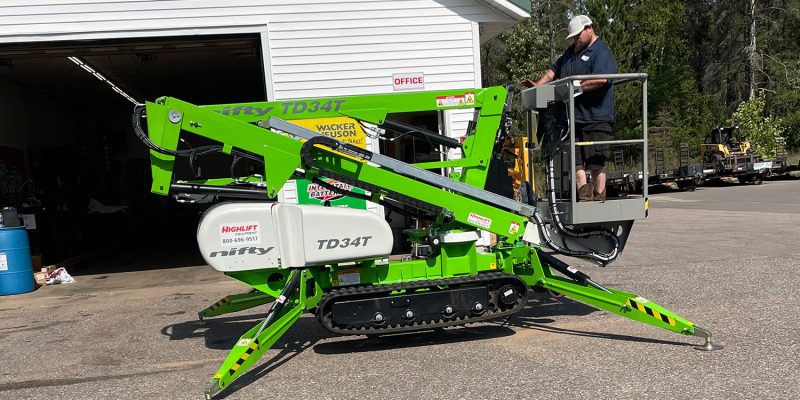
pixel 102 78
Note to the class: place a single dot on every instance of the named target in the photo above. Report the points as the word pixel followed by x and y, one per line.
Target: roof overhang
pixel 514 9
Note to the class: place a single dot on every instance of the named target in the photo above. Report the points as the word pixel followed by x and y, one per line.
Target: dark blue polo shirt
pixel 597 105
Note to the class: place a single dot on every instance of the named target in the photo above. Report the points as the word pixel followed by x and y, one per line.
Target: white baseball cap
pixel 577 23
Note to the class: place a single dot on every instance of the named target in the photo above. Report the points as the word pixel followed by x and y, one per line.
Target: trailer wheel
pixel 687 185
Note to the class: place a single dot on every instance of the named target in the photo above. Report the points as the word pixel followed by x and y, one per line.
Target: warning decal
pixel 238 233
pixel 469 98
pixel 349 277
pixel 3 262
pixel 451 101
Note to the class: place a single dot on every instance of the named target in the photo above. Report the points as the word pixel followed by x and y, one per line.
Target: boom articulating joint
pixel 332 261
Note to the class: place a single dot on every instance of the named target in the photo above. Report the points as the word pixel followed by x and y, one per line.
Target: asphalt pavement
pixel 726 258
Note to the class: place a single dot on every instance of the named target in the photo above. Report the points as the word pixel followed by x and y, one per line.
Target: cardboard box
pixel 49 269
pixel 40 278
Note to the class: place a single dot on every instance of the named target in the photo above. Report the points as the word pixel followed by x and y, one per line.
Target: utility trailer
pixel 781 166
pixel 333 262
pixel 686 177
pixel 620 183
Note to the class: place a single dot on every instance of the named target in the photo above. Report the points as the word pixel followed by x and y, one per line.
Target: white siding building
pixel 309 48
pixel 69 133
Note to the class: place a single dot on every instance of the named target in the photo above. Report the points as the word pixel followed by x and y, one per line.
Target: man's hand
pixel 527 82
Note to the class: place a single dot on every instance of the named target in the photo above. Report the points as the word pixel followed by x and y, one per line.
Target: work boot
pixel 585 192
pixel 599 196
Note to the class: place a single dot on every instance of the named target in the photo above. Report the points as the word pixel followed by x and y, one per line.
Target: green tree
pixel 760 129
pixel 703 57
pixel 779 23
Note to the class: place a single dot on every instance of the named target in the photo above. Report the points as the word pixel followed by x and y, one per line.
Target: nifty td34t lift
pixel 332 261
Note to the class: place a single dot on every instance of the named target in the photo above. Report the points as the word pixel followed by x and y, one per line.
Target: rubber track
pixel 325 318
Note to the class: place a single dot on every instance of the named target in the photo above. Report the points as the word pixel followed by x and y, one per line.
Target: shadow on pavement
pixel 222 333
pixel 288 351
pixel 540 306
pixel 522 322
pixel 129 258
pixel 431 337
pixel 293 348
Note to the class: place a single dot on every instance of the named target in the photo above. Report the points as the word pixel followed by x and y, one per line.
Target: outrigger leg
pixel 283 313
pixel 234 303
pixel 582 288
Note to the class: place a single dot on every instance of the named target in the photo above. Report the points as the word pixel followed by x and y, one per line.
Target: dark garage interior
pixel 68 155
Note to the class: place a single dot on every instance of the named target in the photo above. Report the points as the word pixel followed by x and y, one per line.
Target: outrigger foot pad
pixel 707 346
pixel 212 389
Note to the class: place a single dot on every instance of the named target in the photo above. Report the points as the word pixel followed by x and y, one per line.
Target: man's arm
pixel 593 84
pixel 546 78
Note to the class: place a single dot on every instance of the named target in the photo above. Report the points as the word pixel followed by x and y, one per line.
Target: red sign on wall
pixel 408 81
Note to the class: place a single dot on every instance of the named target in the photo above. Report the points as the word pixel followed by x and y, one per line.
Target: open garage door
pixel 68 155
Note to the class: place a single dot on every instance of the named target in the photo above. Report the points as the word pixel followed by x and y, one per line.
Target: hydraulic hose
pixel 555 216
pixel 568 270
pixel 138 113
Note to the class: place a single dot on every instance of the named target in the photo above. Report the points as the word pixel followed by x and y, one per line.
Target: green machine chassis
pixel 452 272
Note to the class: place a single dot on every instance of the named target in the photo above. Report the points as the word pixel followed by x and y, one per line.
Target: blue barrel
pixel 16 270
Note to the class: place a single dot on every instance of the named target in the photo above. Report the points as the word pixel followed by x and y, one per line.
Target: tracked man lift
pixel 333 261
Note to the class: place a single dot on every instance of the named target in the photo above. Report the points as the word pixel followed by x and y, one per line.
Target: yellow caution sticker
pixel 469 98
pixel 238 364
pixel 638 305
pixel 218 304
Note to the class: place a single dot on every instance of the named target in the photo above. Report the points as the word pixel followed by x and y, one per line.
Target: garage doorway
pixel 68 149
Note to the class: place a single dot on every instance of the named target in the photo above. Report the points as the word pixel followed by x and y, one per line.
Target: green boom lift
pixel 333 261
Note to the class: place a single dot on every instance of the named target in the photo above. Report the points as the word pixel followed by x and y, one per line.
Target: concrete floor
pixel 726 258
